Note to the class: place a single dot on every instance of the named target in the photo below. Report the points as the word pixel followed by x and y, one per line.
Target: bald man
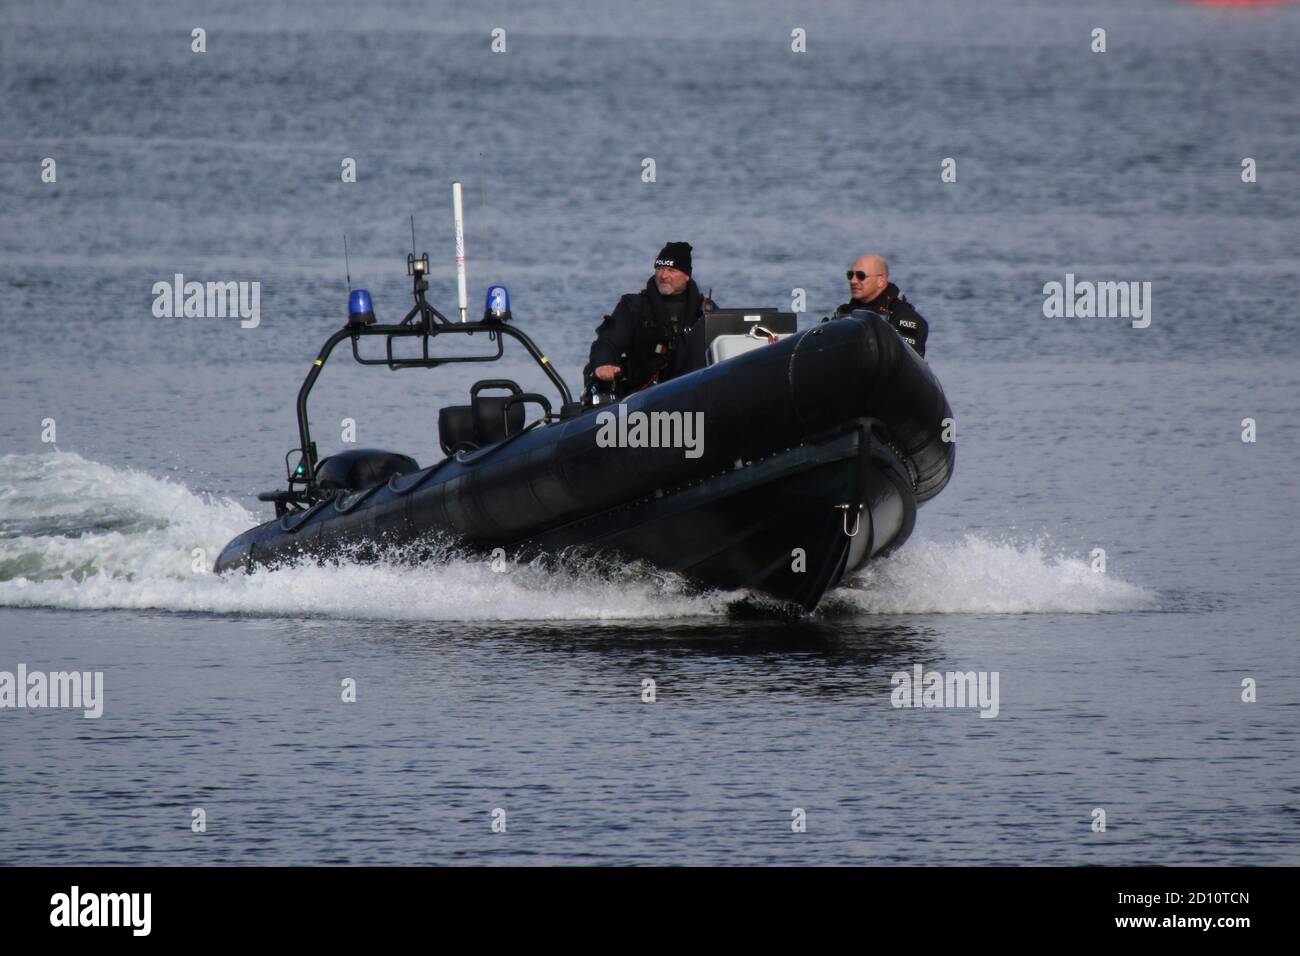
pixel 870 288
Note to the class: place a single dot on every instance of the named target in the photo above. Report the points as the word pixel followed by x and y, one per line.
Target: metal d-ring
pixel 857 520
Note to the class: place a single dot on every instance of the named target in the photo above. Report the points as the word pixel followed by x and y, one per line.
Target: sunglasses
pixel 862 276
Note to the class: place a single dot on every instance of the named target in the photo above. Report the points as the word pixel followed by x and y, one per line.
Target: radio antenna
pixel 347 266
pixel 412 236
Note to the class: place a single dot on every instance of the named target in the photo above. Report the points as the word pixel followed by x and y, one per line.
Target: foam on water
pixel 980 576
pixel 83 535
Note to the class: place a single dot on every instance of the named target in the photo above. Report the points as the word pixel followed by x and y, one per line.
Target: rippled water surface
pixel 523 691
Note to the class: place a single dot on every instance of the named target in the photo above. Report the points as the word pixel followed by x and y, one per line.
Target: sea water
pixel 1109 546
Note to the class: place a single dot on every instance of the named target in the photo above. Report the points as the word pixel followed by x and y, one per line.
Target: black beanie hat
pixel 675 255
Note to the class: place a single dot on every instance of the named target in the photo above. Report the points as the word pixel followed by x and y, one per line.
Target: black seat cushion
pixel 484 421
pixel 456 429
pixel 490 424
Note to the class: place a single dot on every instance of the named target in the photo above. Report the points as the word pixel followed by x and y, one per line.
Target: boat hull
pixel 814 454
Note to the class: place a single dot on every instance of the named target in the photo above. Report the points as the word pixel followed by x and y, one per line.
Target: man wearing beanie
pixel 641 343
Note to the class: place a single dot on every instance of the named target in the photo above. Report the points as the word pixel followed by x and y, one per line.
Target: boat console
pixel 726 333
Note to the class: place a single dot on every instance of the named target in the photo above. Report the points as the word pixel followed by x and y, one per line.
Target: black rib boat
pixel 808 457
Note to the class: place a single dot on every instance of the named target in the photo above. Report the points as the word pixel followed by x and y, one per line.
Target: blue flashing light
pixel 361 311
pixel 498 302
pixel 359 302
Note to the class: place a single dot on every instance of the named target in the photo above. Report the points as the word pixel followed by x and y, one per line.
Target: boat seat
pixel 456 429
pixel 484 421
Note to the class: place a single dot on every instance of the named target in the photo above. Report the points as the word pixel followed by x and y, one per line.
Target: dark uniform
pixel 644 336
pixel 898 312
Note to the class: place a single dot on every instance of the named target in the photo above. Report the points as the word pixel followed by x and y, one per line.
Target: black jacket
pixel 893 305
pixel 644 336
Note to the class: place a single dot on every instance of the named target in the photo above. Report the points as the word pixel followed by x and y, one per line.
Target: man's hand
pixel 606 373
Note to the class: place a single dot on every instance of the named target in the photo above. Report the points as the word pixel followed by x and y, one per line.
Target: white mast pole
pixel 459 212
